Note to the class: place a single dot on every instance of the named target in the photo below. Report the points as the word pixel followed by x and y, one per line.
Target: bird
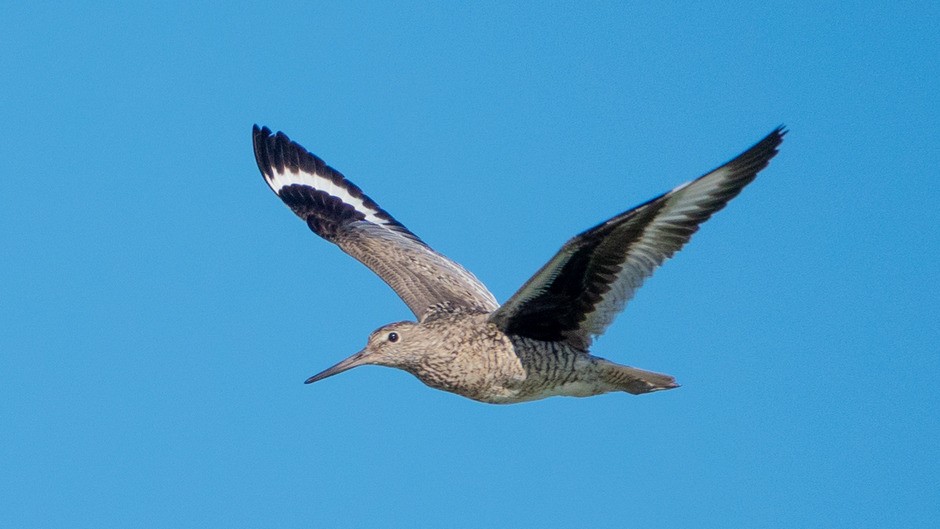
pixel 537 343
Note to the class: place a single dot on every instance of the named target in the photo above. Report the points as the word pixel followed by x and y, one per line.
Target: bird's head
pixel 392 345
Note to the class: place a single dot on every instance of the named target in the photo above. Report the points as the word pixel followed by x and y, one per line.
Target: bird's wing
pixel 577 294
pixel 337 210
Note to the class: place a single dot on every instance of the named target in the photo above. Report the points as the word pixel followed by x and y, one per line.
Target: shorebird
pixel 536 344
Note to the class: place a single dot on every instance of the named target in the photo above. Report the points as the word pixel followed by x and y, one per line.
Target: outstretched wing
pixel 577 294
pixel 335 209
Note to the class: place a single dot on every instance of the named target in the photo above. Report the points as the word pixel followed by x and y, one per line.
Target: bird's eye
pixel 393 337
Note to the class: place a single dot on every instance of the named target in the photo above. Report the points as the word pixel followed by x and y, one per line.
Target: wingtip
pixel 259 141
pixel 778 134
pixel 260 131
pixel 759 155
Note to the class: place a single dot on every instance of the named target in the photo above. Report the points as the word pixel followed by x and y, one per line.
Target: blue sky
pixel 160 308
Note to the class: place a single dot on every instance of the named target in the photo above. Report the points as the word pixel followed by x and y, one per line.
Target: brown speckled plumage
pixel 536 344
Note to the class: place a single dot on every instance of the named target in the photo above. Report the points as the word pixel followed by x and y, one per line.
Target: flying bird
pixel 537 343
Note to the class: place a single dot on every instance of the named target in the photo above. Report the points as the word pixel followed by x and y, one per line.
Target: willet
pixel 535 345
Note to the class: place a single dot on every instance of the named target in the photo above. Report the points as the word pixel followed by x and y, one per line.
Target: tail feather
pixel 637 381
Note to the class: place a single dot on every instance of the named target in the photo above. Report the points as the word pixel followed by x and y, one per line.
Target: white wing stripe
pixel 280 180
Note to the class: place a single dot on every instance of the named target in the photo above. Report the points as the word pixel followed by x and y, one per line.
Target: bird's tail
pixel 636 381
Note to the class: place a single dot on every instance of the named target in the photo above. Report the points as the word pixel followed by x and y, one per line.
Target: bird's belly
pixel 499 369
pixel 578 388
pixel 569 375
pixel 533 385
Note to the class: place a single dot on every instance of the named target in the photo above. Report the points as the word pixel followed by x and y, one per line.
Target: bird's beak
pixel 355 360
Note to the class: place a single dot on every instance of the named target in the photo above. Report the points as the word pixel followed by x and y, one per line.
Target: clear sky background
pixel 160 308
